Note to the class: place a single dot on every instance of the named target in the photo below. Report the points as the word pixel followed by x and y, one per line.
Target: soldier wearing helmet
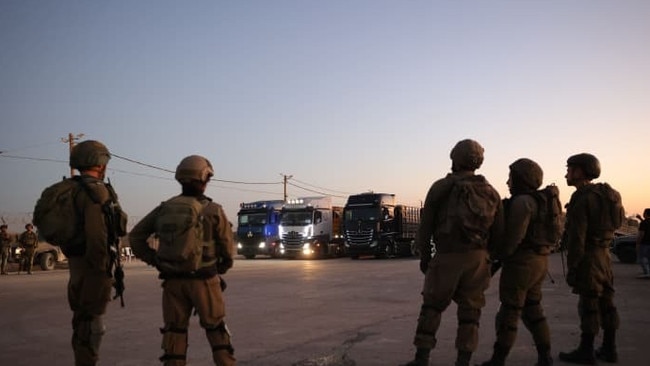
pixel 459 271
pixel 201 289
pixel 28 241
pixel 89 259
pixel 524 260
pixel 590 224
pixel 5 249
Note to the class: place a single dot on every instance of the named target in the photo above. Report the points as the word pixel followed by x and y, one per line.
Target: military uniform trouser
pixel 520 293
pixel 89 291
pixel 4 259
pixel 598 312
pixel 463 278
pixel 27 259
pixel 180 296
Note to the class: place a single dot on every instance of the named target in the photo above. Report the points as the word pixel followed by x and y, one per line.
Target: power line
pixel 322 188
pixel 314 191
pixel 171 171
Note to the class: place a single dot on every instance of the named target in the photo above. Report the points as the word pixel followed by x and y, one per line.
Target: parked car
pixel 624 248
pixel 47 255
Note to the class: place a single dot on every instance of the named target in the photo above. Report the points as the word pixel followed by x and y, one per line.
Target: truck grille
pixel 359 237
pixel 293 239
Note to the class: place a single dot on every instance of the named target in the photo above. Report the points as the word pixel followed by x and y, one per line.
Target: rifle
pixel 112 221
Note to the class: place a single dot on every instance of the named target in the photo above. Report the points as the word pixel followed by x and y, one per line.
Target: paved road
pixel 336 312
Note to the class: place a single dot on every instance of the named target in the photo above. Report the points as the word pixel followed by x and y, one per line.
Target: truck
pixel 46 255
pixel 311 228
pixel 374 224
pixel 257 228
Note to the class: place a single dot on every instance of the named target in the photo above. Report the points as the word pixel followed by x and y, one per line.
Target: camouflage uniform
pixel 28 240
pixel 5 249
pixel 587 240
pixel 524 257
pixel 460 269
pixel 201 290
pixel 89 286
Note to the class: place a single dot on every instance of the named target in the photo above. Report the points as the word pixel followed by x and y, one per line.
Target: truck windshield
pixel 296 218
pixel 363 214
pixel 252 219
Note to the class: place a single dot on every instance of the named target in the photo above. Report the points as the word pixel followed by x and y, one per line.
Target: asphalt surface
pixel 336 312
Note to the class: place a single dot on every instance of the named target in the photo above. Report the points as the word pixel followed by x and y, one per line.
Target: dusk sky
pixel 343 96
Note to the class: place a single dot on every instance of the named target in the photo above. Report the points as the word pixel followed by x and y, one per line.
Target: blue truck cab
pixel 257 228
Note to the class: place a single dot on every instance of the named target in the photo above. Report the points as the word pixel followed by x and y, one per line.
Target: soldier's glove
pixel 495 267
pixel 222 284
pixel 572 277
pixel 424 263
pixel 223 265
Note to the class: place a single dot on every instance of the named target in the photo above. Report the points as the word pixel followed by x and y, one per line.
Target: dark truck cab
pixel 375 225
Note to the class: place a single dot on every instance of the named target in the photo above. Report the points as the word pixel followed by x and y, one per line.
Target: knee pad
pixel 219 338
pixel 174 344
pixel 532 313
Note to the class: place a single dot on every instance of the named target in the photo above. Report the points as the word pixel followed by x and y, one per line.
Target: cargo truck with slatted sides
pixel 374 224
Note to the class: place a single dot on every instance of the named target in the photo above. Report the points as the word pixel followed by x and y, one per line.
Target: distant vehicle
pixel 47 256
pixel 257 228
pixel 374 224
pixel 624 248
pixel 310 227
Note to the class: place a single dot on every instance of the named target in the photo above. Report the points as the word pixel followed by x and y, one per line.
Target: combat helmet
pixel 587 162
pixel 194 168
pixel 527 172
pixel 89 153
pixel 466 155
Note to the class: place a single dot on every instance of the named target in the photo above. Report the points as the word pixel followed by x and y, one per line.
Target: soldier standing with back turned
pixel 28 240
pixel 460 269
pixel 593 214
pixel 89 259
pixel 200 289
pixel 524 256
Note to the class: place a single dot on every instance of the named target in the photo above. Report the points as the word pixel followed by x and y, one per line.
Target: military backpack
pixel 471 208
pixel 180 230
pixel 56 215
pixel 546 227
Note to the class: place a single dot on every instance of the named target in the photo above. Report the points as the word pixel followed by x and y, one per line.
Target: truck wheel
pixel 47 261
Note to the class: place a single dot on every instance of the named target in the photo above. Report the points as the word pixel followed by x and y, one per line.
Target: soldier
pixel 89 258
pixel 524 264
pixel 460 269
pixel 593 214
pixel 5 249
pixel 643 244
pixel 28 240
pixel 184 289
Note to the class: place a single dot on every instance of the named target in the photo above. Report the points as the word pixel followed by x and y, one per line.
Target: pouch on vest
pixel 179 228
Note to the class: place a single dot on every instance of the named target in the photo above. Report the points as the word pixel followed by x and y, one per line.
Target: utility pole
pixel 286 178
pixel 71 141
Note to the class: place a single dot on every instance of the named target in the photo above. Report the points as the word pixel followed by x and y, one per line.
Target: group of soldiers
pixel 467 239
pixel 27 241
pixel 460 269
pixel 91 261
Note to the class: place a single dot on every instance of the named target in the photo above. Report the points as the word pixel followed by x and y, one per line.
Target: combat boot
pixel 584 354
pixel 421 358
pixel 544 355
pixel 607 351
pixel 498 356
pixel 463 358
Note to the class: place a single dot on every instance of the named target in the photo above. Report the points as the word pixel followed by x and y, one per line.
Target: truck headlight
pixel 262 245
